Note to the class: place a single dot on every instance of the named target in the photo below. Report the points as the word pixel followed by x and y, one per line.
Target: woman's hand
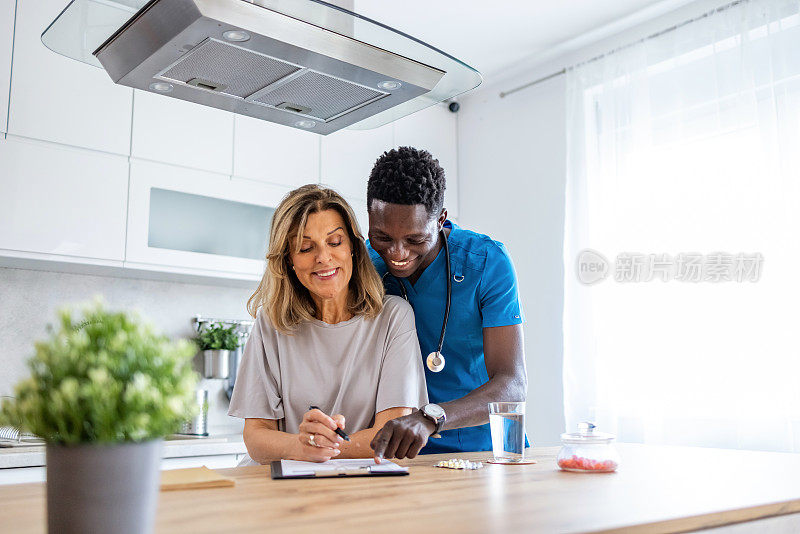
pixel 317 440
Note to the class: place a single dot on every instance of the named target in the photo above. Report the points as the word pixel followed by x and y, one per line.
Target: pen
pixel 338 430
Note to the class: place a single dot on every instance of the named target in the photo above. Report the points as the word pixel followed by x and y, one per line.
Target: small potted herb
pixel 216 341
pixel 103 390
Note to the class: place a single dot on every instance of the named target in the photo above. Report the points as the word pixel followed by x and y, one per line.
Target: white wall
pixel 512 175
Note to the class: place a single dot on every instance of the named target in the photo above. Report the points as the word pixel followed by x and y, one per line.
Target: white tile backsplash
pixel 29 300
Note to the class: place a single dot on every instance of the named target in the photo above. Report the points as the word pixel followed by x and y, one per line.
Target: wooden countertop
pixel 657 489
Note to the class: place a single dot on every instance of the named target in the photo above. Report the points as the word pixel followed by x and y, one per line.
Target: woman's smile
pixel 327 274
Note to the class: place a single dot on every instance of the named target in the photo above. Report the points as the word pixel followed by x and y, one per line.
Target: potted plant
pixel 216 341
pixel 103 390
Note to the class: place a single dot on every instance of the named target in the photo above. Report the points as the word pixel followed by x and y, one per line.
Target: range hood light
pixel 305 124
pixel 389 85
pixel 161 87
pixel 236 36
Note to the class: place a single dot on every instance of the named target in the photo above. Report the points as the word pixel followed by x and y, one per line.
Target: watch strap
pixel 438 421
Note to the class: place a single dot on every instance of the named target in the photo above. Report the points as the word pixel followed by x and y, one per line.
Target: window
pixel 686 145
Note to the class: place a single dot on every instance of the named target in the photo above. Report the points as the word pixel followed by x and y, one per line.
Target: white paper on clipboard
pixel 296 468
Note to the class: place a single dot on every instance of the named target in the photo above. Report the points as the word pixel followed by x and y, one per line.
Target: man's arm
pixel 504 355
pixel 358 446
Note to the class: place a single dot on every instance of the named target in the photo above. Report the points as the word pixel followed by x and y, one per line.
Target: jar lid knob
pixel 586 427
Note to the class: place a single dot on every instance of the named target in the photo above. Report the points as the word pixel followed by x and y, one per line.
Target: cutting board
pixel 193 478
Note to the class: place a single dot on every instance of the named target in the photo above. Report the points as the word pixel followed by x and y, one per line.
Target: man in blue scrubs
pixel 483 345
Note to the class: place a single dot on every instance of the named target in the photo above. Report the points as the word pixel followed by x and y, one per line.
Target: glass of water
pixel 507 421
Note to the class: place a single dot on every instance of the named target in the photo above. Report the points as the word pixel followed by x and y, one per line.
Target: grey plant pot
pixel 215 363
pixel 93 488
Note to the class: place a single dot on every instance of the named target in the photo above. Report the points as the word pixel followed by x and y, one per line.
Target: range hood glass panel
pixel 86 24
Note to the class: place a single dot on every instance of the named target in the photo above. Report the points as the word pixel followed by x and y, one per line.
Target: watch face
pixel 433 410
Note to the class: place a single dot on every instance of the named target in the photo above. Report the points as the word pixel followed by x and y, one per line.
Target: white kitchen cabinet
pixel 182 133
pixel 435 130
pixel 188 221
pixel 58 99
pixel 23 475
pixel 360 208
pixel 63 201
pixel 275 154
pixel 218 461
pixel 347 158
pixel 7 8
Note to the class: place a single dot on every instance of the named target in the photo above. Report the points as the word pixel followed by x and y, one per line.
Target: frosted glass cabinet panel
pixel 195 222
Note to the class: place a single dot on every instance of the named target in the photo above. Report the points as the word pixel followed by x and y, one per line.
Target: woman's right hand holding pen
pixel 318 440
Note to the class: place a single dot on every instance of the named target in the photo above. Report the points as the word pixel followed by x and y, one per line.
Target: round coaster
pixel 511 462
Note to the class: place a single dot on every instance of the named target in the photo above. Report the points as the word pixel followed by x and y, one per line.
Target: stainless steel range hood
pixel 305 64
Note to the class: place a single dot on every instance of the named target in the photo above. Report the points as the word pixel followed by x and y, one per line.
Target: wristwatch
pixel 435 413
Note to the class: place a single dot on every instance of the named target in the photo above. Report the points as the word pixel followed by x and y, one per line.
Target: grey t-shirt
pixel 356 368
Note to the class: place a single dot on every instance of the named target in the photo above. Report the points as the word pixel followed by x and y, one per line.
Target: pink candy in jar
pixel 588 451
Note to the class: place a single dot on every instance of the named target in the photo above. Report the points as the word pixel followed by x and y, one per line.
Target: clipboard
pixel 288 469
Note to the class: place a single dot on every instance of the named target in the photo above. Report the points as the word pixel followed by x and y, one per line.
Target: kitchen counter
pixel 657 489
pixel 175 447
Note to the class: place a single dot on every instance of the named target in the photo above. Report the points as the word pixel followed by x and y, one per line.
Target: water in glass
pixel 508 435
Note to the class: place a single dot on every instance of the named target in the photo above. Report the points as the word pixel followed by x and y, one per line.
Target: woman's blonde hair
pixel 286 301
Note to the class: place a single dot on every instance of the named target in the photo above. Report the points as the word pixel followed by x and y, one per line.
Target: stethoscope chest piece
pixel 435 361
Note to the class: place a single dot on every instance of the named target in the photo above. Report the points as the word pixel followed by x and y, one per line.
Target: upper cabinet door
pixel 58 99
pixel 348 157
pixel 276 154
pixel 62 200
pixel 434 129
pixel 6 44
pixel 182 133
pixel 360 209
pixel 195 222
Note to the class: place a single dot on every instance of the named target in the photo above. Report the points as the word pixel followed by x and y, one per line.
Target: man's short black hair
pixel 407 175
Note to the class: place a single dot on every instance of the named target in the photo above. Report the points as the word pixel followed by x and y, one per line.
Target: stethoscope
pixel 435 360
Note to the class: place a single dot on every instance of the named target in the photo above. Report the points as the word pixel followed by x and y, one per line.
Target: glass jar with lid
pixel 588 451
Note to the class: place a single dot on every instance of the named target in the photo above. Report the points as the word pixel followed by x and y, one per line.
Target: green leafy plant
pixel 216 336
pixel 107 377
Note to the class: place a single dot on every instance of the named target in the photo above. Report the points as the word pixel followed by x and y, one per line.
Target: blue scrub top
pixel 484 295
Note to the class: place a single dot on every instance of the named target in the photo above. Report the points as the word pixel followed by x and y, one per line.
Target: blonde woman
pixel 324 335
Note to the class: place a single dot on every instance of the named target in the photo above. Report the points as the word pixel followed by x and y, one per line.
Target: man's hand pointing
pixel 403 437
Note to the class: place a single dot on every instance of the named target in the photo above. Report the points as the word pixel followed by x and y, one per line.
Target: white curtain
pixel 687 145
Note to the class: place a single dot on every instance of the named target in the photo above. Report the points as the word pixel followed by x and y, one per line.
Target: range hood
pixel 301 63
